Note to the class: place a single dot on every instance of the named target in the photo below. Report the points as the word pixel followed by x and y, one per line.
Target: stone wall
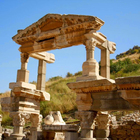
pixel 128 128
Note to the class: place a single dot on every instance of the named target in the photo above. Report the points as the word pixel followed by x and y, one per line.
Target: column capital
pixel 103 121
pixel 90 44
pixel 18 119
pixel 86 118
pixel 24 57
pixel 111 46
pixel 36 120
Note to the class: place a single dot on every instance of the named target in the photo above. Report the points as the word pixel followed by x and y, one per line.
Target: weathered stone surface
pixel 107 95
pixel 5 104
pixel 47 57
pixel 56 31
pixel 54 118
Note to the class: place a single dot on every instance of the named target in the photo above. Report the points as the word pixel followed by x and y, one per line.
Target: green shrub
pixel 79 73
pixel 69 74
pixel 131 67
pixel 55 78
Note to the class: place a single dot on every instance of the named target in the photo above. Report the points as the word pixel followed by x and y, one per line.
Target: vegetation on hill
pixel 135 49
pixel 124 68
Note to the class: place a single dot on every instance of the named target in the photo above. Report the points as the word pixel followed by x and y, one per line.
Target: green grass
pixel 62 98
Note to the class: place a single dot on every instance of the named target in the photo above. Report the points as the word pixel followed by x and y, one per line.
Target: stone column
pixel 36 120
pixel 103 122
pixel 41 79
pixel 18 122
pixel 86 122
pixel 0 126
pixel 23 73
pixel 90 66
pixel 105 62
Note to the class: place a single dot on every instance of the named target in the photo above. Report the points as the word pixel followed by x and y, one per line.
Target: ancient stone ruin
pixel 96 94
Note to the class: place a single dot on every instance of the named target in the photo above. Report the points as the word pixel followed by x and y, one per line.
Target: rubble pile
pixel 126 129
pixel 131 117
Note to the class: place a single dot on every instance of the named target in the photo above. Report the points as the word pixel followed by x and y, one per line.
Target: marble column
pixel 36 120
pixel 0 126
pixel 41 79
pixel 86 122
pixel 18 122
pixel 105 62
pixel 103 121
pixel 23 73
pixel 90 66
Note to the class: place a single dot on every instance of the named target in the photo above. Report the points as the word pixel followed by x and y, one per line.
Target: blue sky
pixel 122 26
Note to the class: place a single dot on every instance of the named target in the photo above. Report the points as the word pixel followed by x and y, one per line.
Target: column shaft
pixel 105 63
pixel 41 79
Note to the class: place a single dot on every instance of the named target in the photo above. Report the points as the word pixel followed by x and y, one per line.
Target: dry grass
pixel 6 94
pixel 62 98
pixel 132 57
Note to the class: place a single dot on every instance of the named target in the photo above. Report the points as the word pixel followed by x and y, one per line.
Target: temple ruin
pixel 96 94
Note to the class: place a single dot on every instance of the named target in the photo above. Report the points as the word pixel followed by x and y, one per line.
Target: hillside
pixel 133 54
pixel 133 57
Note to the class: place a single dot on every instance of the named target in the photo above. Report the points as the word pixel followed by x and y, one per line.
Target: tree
pixel 69 74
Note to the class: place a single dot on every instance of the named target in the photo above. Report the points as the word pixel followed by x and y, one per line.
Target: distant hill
pixel 133 54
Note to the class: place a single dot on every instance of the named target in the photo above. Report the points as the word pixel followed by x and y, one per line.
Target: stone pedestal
pixel 23 75
pixel 86 122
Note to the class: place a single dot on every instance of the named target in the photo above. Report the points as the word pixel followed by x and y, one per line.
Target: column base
pixel 94 139
pixel 103 139
pixel 87 139
pixel 102 134
pixel 89 78
pixel 17 136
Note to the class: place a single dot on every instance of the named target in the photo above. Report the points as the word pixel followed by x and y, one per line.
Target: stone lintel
pixel 128 80
pixel 89 78
pixel 33 94
pixel 22 84
pixel 48 57
pixel 91 83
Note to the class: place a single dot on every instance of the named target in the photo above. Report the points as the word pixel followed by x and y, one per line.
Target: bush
pixel 131 67
pixel 55 78
pixel 69 74
pixel 115 67
pixel 79 73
